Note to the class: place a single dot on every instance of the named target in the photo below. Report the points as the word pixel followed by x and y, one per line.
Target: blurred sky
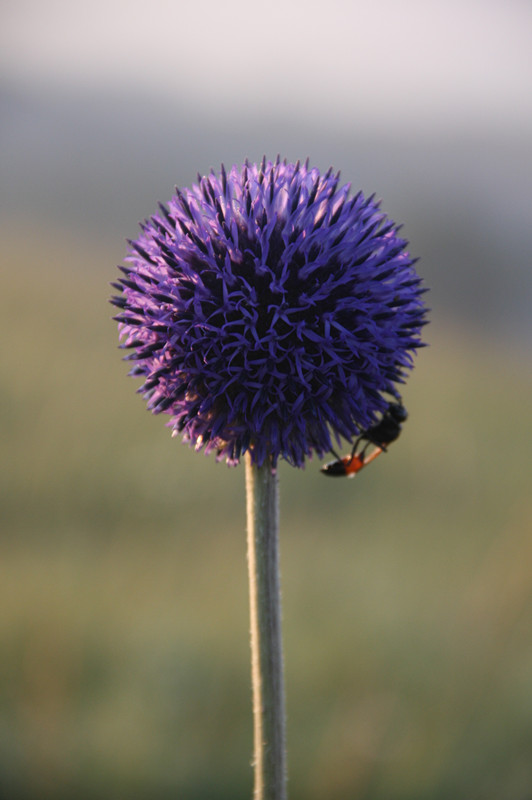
pixel 407 63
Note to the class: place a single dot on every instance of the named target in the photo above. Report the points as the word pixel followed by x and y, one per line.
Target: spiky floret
pixel 267 309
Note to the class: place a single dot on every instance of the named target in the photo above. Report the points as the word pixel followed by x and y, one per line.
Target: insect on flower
pixel 349 466
pixel 383 433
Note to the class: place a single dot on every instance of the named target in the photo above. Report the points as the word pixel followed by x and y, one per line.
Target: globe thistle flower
pixel 267 311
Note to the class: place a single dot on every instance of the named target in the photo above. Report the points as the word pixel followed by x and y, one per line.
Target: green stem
pixel 266 645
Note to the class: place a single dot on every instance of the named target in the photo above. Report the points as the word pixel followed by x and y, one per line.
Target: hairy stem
pixel 266 644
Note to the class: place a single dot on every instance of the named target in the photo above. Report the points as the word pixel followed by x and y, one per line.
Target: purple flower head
pixel 267 310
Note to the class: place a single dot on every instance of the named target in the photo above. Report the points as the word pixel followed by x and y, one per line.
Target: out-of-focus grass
pixel 124 622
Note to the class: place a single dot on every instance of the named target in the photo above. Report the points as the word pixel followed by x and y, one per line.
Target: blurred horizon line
pixel 446 127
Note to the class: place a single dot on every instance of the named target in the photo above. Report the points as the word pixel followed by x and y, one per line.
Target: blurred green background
pixel 124 622
pixel 123 589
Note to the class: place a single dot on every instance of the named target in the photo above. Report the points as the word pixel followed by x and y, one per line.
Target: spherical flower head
pixel 267 311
